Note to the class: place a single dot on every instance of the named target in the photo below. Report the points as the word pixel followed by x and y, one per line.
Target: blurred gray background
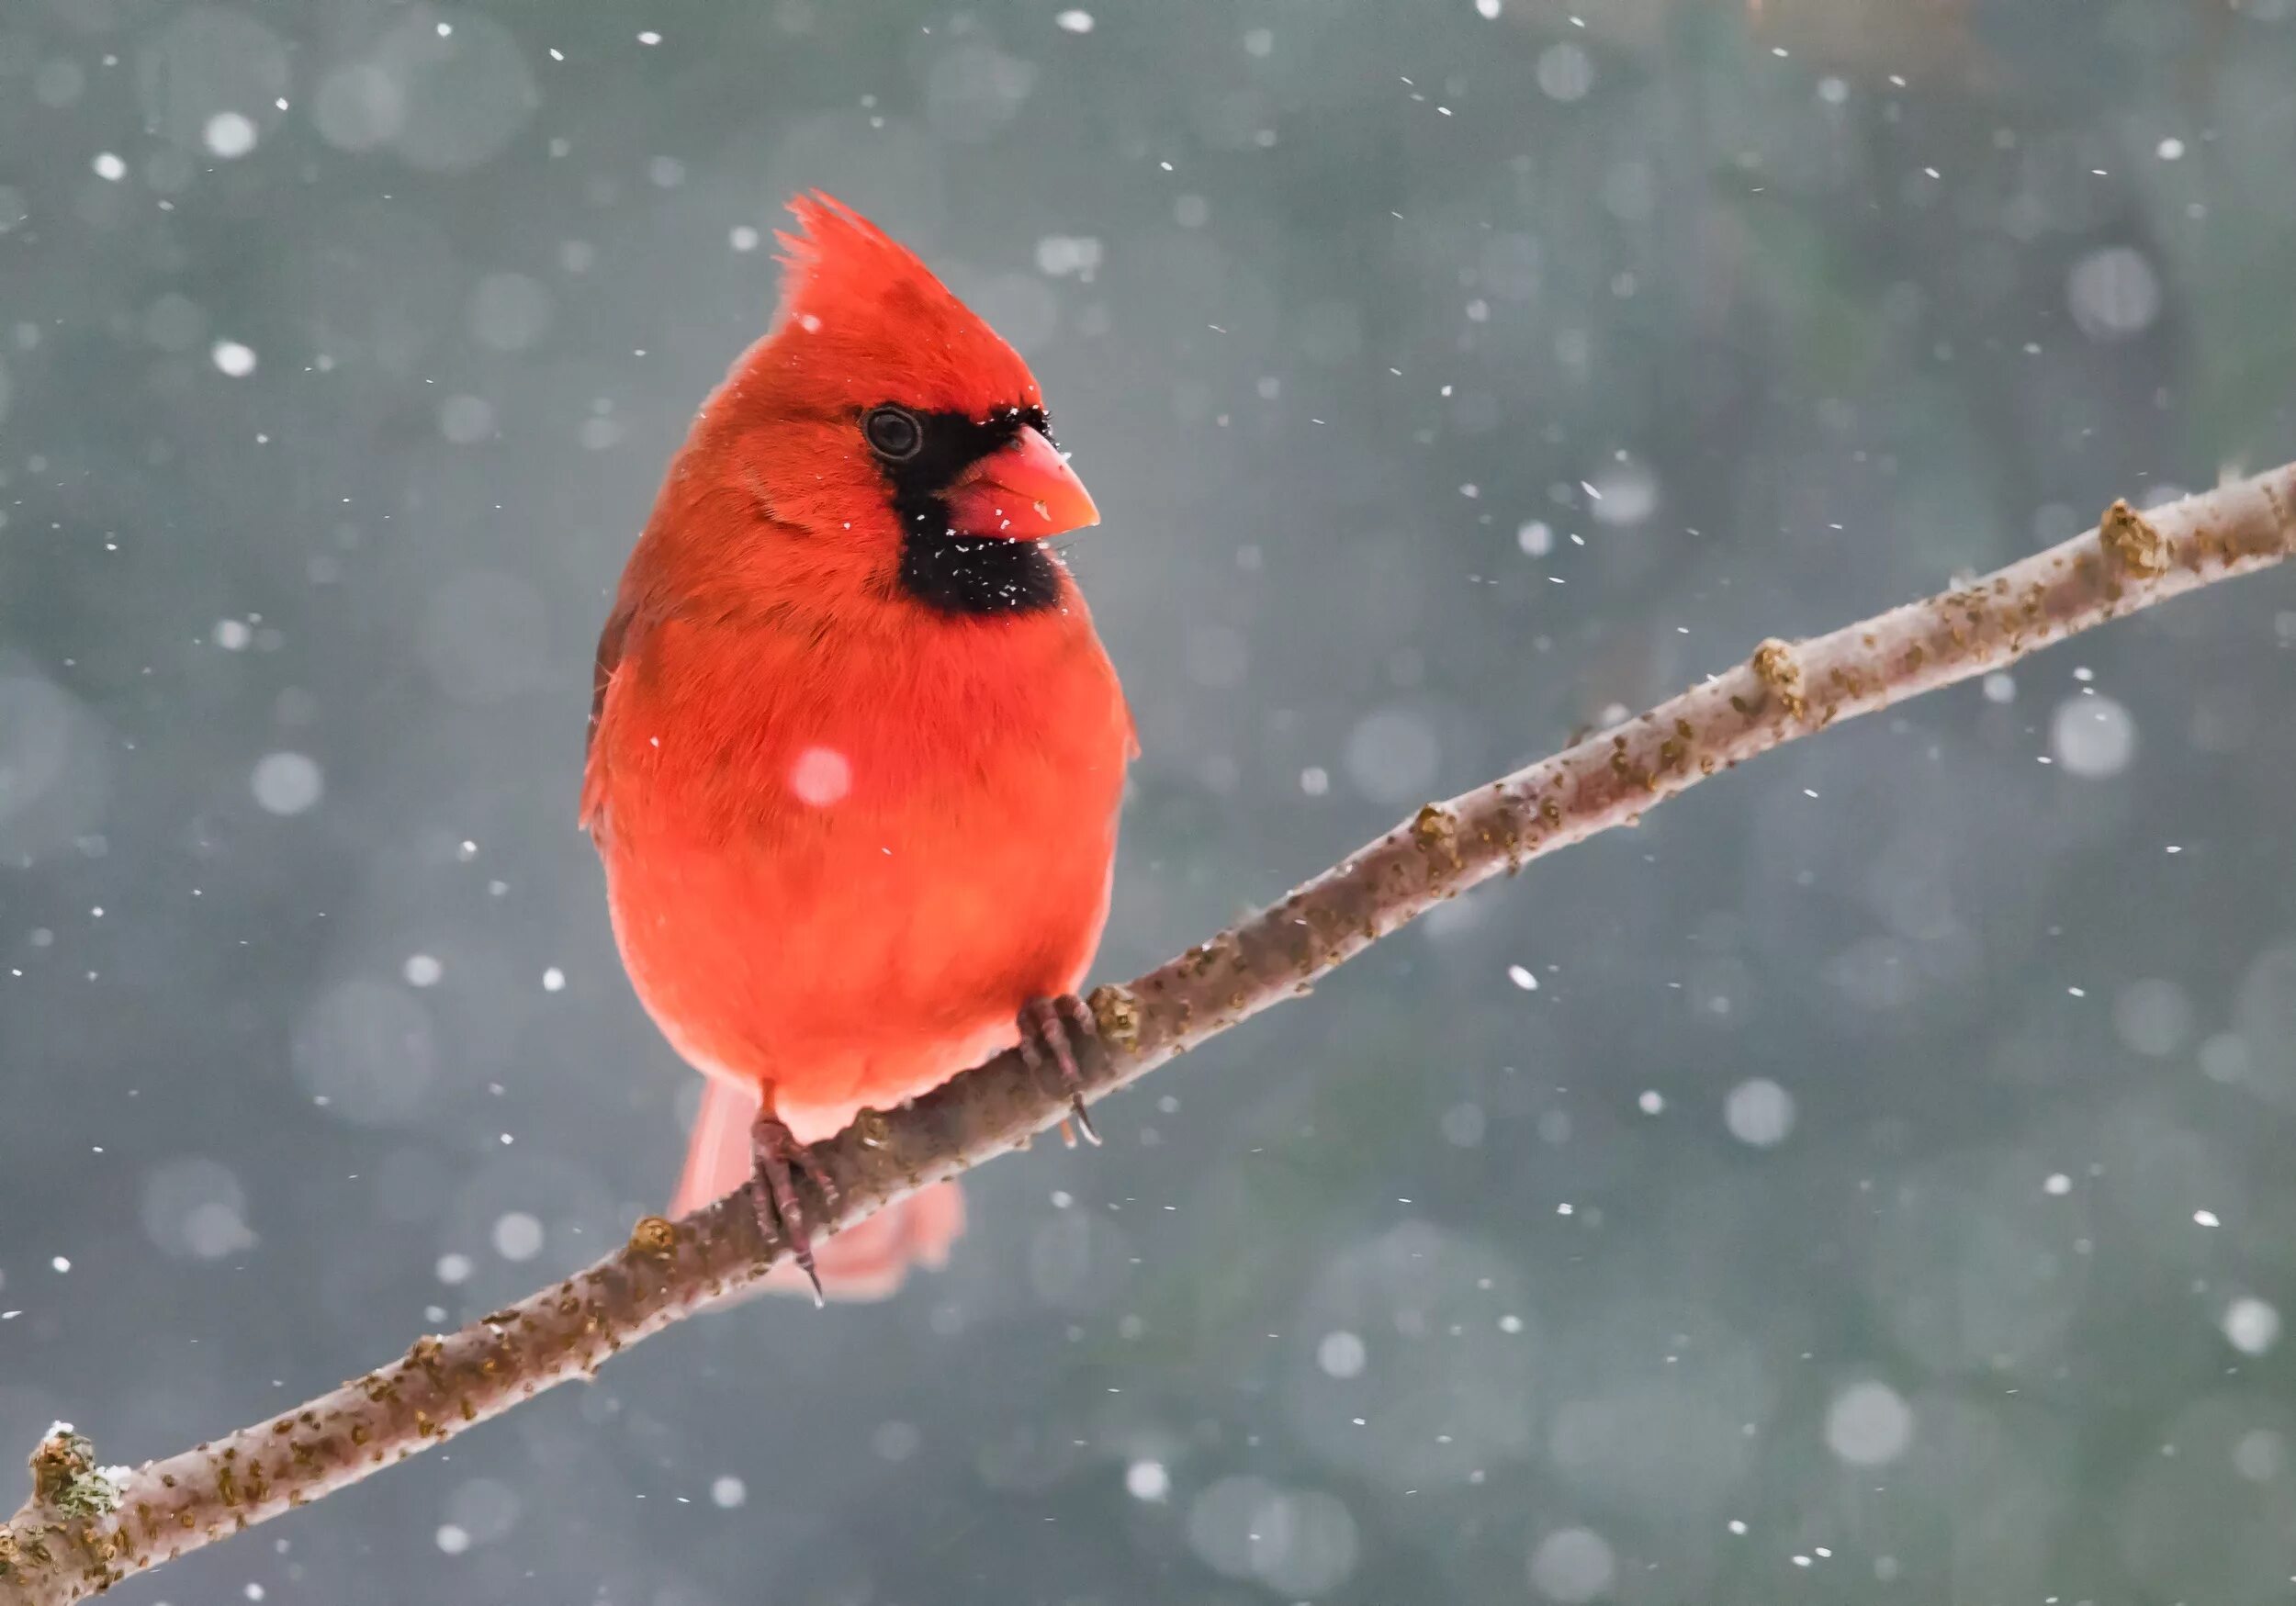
pixel 1806 1196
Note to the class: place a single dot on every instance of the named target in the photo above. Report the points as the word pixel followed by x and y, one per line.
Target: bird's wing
pixel 611 641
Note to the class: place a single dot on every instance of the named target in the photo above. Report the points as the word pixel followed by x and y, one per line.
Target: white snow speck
pixel 1341 1355
pixel 1759 1112
pixel 287 783
pixel 2092 737
pixel 821 776
pixel 229 134
pixel 1565 71
pixel 2251 1326
pixel 2113 293
pixel 234 359
pixel 1868 1424
pixel 517 1235
pixel 1573 1564
pixel 109 167
pixel 1058 255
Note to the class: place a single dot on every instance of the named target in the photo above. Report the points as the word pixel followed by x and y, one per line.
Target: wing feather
pixel 612 641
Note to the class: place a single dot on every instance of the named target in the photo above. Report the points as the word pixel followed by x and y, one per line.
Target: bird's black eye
pixel 893 432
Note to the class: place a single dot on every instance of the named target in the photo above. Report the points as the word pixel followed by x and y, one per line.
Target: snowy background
pixel 1869 1180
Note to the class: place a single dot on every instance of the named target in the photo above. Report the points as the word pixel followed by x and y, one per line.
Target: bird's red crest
pixel 863 317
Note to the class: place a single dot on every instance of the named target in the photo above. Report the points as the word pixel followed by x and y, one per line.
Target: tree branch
pixel 85 1529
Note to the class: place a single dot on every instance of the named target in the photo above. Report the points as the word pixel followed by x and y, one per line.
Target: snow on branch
pixel 85 1528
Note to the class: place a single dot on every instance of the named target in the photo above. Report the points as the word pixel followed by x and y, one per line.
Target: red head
pixel 860 314
pixel 889 430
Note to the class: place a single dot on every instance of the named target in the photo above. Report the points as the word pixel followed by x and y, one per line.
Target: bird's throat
pixel 976 574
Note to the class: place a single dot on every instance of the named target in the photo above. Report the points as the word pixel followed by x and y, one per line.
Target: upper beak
pixel 1024 490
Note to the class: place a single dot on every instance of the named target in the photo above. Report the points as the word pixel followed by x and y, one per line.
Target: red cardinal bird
pixel 855 751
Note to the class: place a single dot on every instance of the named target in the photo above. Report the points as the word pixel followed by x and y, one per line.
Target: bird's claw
pixel 776 1150
pixel 1050 1031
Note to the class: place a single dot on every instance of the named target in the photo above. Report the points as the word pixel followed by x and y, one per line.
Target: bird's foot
pixel 776 1150
pixel 1051 1031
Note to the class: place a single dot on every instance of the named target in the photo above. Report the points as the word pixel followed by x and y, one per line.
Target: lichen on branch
pixel 66 1480
pixel 85 1528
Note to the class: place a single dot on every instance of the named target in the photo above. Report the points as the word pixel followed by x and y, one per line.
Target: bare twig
pixel 85 1528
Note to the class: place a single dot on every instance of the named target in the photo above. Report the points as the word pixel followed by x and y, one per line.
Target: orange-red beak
pixel 1025 490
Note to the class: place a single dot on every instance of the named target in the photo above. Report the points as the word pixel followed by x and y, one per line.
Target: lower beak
pixel 1024 490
